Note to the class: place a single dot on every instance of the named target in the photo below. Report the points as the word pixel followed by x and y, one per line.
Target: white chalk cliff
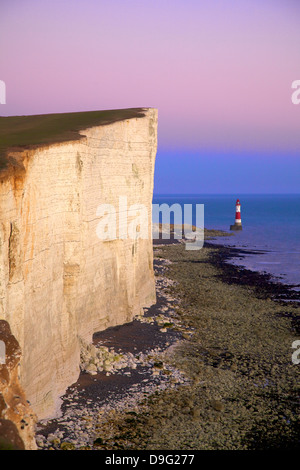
pixel 58 281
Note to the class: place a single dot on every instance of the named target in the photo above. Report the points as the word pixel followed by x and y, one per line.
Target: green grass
pixel 32 131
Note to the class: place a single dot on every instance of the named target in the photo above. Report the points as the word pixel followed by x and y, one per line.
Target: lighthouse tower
pixel 238 221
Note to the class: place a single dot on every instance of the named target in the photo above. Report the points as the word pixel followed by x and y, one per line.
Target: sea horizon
pixel 271 228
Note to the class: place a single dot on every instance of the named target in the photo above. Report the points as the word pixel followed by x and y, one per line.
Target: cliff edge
pixel 59 282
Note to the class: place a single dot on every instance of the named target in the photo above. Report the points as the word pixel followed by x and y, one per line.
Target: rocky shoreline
pixel 124 366
pixel 208 367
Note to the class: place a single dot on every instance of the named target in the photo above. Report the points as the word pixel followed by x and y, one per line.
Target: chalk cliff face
pixel 58 281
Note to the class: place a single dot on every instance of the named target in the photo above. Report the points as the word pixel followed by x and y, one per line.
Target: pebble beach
pixel 209 367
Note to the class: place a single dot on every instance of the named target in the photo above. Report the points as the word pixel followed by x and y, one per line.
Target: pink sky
pixel 220 72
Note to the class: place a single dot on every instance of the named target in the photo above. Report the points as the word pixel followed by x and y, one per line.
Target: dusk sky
pixel 219 72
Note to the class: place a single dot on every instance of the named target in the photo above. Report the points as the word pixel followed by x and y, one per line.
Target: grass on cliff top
pixel 28 131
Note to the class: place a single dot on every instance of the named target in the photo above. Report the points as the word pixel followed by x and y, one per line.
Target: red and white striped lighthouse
pixel 238 221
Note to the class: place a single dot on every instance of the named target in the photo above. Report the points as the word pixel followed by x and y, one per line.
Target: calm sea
pixel 271 226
